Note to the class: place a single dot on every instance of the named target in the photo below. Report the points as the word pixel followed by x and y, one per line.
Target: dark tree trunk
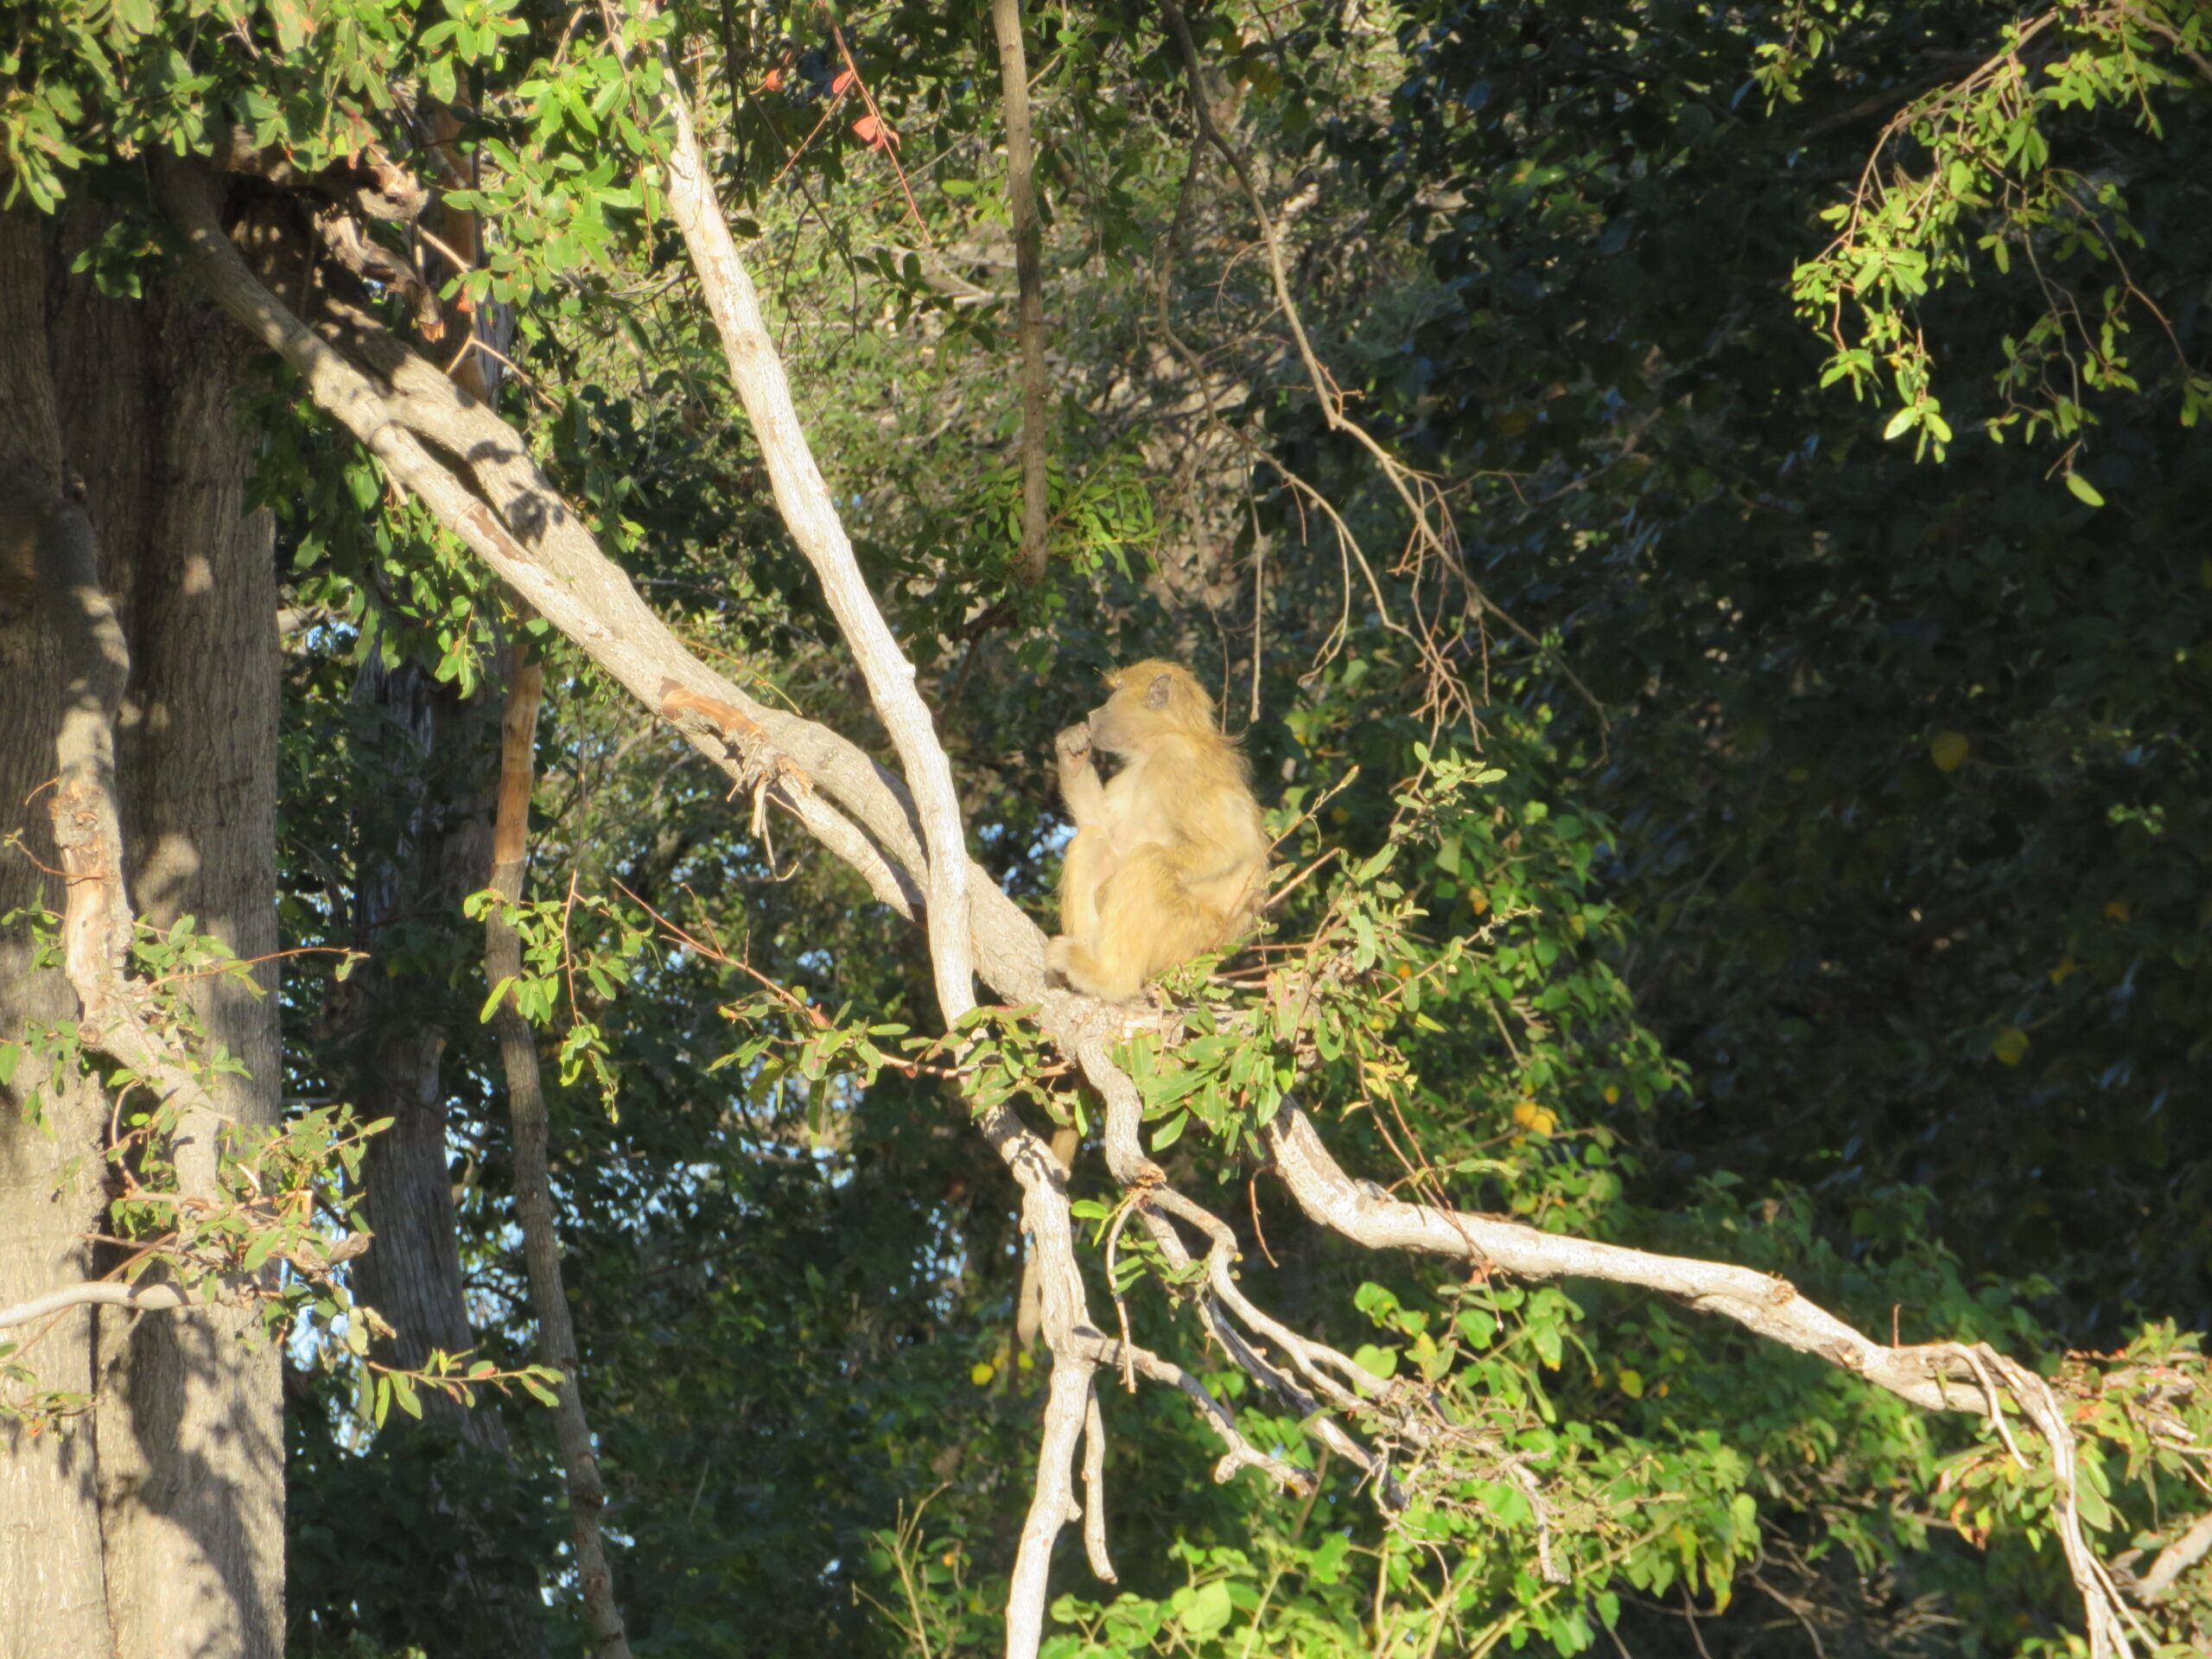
pixel 155 1525
pixel 424 840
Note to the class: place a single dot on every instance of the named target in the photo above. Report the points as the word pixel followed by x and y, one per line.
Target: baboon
pixel 1169 859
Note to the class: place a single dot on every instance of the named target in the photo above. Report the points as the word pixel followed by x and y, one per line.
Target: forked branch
pixel 472 471
pixel 803 498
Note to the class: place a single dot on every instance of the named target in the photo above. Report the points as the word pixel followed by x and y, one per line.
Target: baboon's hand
pixel 1074 745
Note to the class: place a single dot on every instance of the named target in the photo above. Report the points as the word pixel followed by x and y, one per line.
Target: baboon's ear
pixel 1156 694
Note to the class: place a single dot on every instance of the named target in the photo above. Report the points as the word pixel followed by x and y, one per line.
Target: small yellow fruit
pixel 1949 751
pixel 2010 1046
pixel 1537 1120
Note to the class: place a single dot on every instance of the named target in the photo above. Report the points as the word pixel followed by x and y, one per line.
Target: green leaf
pixel 1207 1611
pixel 2096 1514
pixel 1381 1363
pixel 2083 490
pixel 492 1002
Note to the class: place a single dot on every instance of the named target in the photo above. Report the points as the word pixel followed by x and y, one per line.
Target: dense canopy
pixel 543 549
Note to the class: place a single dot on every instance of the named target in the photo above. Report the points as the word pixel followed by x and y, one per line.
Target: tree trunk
pixel 424 843
pixel 52 1601
pixel 155 1525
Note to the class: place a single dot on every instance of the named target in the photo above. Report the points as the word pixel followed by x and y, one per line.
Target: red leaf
pixel 845 78
pixel 773 81
pixel 868 130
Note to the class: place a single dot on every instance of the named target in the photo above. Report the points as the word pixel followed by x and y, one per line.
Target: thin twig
pixel 1021 205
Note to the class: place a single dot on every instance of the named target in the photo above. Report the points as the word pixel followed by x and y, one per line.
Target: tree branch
pixel 803 498
pixel 2173 1560
pixel 1927 1374
pixel 1768 1306
pixel 1418 493
pixel 97 921
pixel 1242 1453
pixel 557 1331
pixel 746 747
pixel 143 1297
pixel 1065 1315
pixel 1021 204
pixel 511 516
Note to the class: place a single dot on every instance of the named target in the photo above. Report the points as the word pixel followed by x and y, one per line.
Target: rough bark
pixel 191 1429
pixel 178 1475
pixel 423 835
pixel 52 1592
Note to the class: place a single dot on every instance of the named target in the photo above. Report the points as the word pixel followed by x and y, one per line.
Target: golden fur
pixel 1170 859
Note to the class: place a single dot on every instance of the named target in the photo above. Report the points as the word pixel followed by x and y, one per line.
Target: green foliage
pixel 369 1531
pixel 284 1211
pixel 1477 916
pixel 553 965
pixel 1974 173
pixel 1813 887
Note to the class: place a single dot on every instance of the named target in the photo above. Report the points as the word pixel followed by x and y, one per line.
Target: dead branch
pixel 1094 1487
pixel 1106 1352
pixel 803 498
pixel 1417 492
